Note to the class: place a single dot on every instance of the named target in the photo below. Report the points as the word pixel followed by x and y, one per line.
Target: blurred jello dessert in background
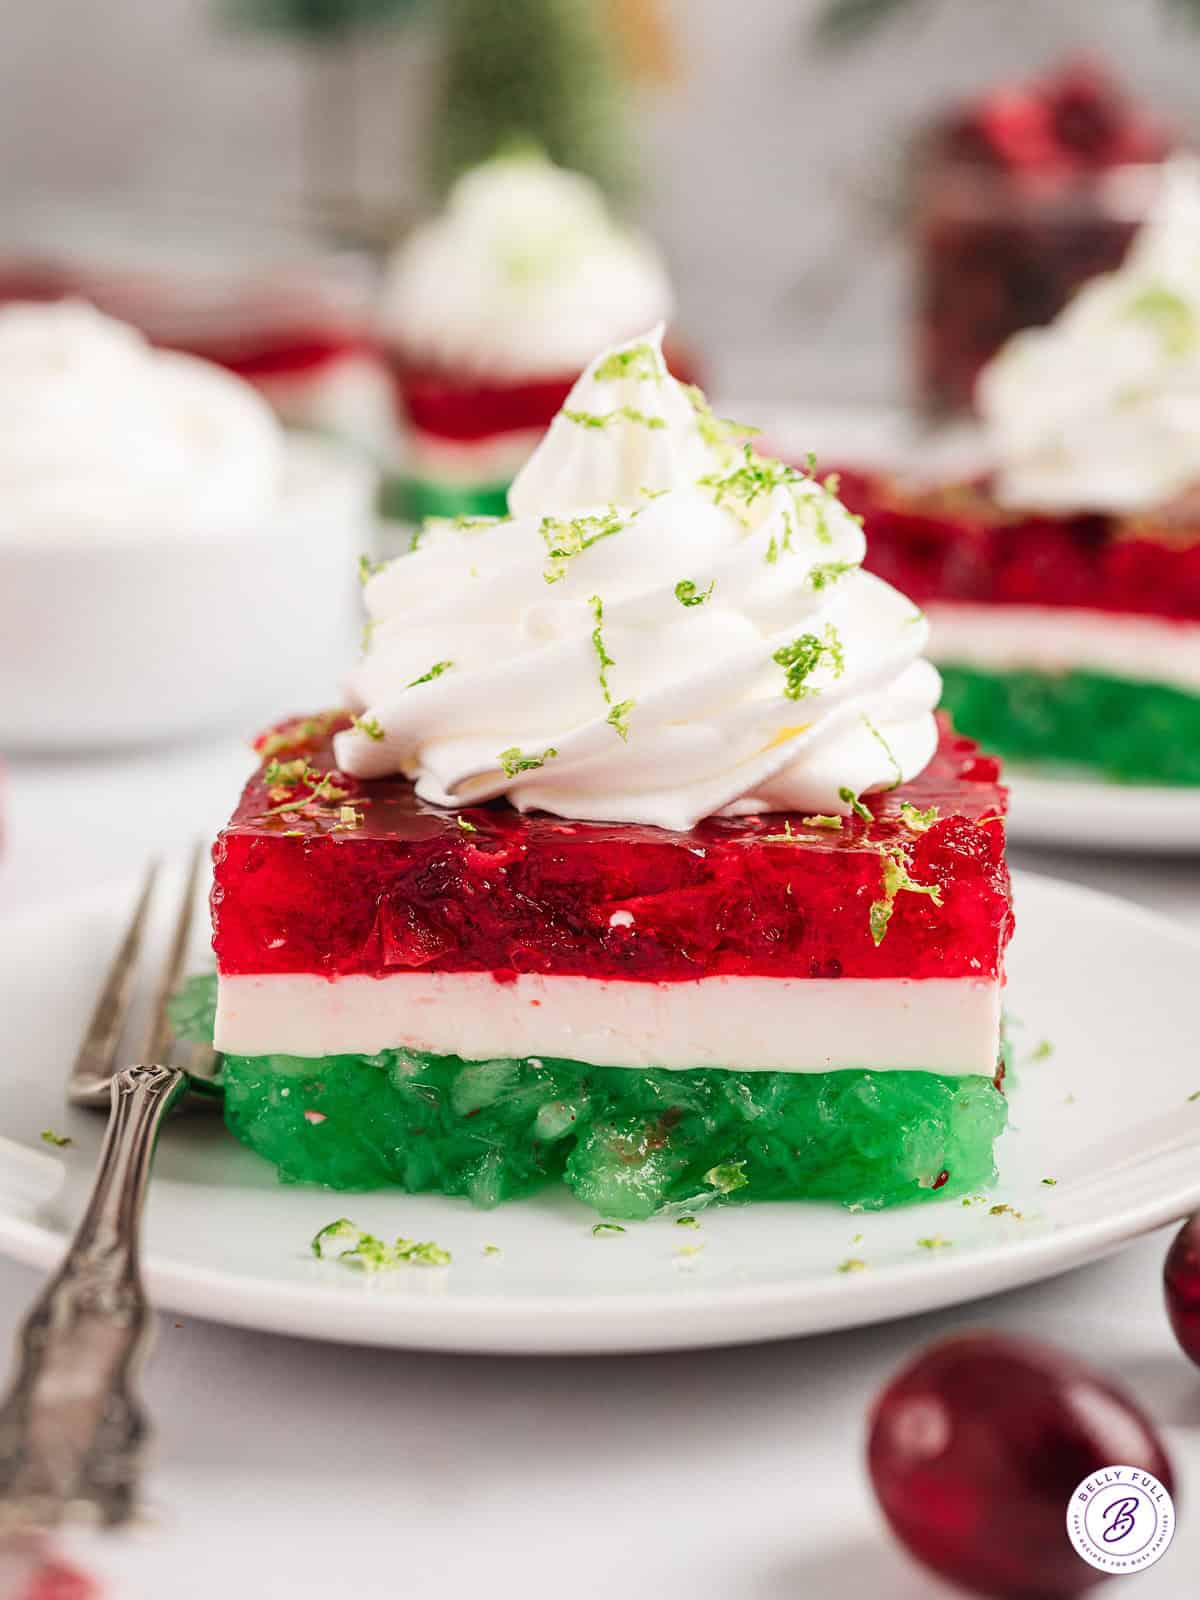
pixel 286 308
pixel 643 864
pixel 163 543
pixel 491 311
pixel 1022 196
pixel 1063 584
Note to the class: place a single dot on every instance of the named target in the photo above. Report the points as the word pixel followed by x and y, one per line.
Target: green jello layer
pixel 414 499
pixel 1129 732
pixel 625 1142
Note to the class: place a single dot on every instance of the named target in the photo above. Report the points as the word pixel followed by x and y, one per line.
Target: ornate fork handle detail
pixel 71 1426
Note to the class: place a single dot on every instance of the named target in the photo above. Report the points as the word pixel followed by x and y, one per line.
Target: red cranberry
pixel 30 1570
pixel 1181 1283
pixel 58 1582
pixel 975 1448
pixel 1088 113
pixel 1016 126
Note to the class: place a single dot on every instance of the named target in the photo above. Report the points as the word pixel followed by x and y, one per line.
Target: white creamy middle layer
pixel 1004 638
pixel 473 462
pixel 946 1025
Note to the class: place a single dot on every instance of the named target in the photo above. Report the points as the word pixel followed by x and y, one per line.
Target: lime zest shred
pixel 618 717
pixel 639 362
pixel 370 727
pixel 802 657
pixel 287 774
pixel 888 752
pixel 322 787
pixel 754 477
pixel 600 1229
pixel 788 836
pixel 60 1141
pixel 435 671
pixel 601 419
pixel 853 1264
pixel 719 433
pixel 513 760
pixel 372 1254
pixel 917 821
pixel 423 1253
pixel 602 655
pixel 465 826
pixel 566 538
pixel 343 1228
pixel 687 593
pixel 822 821
pixel 1169 315
pixel 896 880
pixel 848 797
pixel 828 572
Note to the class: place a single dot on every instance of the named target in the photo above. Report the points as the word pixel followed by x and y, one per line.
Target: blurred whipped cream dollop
pixel 666 627
pixel 525 274
pixel 1100 411
pixel 101 432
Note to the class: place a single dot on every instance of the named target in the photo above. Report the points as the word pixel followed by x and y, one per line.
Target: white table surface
pixel 291 1469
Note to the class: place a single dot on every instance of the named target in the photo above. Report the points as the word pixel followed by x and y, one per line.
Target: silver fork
pixel 72 1429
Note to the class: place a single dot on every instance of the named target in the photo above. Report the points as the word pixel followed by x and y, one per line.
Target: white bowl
pixel 118 640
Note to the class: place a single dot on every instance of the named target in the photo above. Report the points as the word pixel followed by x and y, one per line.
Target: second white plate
pixel 1087 814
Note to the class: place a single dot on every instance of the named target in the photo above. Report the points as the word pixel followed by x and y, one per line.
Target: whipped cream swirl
pixel 667 627
pixel 1100 411
pixel 526 274
pixel 101 433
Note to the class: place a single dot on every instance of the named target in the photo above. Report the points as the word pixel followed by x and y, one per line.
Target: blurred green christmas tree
pixel 553 73
pixel 545 71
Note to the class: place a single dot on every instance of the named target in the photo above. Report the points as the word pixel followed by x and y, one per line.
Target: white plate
pixel 1083 813
pixel 1111 986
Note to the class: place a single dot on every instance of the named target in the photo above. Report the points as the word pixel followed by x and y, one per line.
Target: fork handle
pixel 71 1425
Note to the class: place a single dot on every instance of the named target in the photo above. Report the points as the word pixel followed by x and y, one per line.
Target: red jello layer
pixel 467 408
pixel 410 887
pixel 957 545
pixel 465 411
pixel 270 346
pixel 289 353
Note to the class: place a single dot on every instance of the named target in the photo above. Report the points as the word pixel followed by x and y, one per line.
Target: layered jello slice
pixel 491 310
pixel 1063 582
pixel 1063 641
pixel 642 863
pixel 482 1002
